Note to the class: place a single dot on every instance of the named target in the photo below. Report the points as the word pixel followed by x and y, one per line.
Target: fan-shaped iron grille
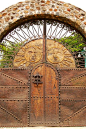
pixel 32 30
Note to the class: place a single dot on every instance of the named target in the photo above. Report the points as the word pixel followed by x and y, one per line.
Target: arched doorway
pixel 44 96
pixel 42 73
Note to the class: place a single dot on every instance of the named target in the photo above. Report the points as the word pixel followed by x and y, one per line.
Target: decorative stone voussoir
pixel 35 9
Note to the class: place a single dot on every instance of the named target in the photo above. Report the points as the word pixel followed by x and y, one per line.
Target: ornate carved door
pixel 44 109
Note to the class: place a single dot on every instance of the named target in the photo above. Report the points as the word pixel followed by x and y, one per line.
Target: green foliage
pixel 8 54
pixel 73 43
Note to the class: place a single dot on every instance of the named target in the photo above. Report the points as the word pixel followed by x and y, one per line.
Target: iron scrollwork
pixel 57 31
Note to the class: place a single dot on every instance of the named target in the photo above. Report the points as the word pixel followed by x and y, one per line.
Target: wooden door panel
pixel 6 120
pixel 77 119
pixel 73 97
pixel 6 81
pixel 73 77
pixel 37 111
pixel 37 90
pixel 44 96
pixel 68 108
pixel 73 93
pixel 13 92
pixel 51 111
pixel 16 110
pixel 13 76
pixel 51 96
pixel 13 98
pixel 37 98
pixel 51 81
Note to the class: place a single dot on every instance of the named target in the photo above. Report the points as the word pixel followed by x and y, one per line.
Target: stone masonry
pixel 35 9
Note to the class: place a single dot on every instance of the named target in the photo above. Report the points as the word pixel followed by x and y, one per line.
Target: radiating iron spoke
pixel 33 30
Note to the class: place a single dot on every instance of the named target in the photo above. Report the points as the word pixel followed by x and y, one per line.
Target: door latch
pixel 37 79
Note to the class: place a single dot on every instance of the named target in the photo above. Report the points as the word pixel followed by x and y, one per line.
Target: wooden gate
pixel 52 97
pixel 42 81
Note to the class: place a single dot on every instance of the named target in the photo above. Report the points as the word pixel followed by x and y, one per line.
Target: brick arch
pixel 50 9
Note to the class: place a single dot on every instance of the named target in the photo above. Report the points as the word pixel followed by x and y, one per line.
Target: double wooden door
pixel 44 96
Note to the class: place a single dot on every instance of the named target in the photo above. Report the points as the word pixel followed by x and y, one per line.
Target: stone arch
pixel 66 84
pixel 50 9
